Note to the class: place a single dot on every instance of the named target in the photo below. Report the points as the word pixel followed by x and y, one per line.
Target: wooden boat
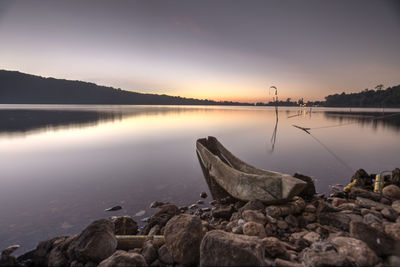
pixel 241 180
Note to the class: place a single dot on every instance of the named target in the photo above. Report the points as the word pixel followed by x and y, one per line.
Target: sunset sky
pixel 221 50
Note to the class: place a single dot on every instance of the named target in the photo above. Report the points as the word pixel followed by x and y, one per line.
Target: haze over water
pixel 61 166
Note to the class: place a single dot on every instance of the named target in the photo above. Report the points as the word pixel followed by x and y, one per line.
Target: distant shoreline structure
pixel 21 88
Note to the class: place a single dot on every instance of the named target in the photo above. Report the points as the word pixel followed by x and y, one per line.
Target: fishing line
pixel 307 130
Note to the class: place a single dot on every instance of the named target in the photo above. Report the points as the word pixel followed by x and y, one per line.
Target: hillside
pixel 21 88
pixel 390 97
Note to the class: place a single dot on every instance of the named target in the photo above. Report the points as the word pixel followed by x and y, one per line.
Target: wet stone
pixel 254 229
pixel 203 195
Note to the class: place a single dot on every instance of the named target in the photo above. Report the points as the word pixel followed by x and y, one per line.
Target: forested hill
pixel 389 97
pixel 21 88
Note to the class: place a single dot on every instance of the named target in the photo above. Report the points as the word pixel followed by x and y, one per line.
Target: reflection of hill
pixel 26 120
pixel 22 120
pixel 374 119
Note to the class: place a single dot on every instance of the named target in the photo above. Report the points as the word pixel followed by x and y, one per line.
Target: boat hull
pixel 241 180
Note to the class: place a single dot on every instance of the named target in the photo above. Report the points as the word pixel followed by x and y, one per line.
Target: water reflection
pixel 61 166
pixel 374 119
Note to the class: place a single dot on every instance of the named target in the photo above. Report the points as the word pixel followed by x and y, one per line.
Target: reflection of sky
pixel 55 181
pixel 207 49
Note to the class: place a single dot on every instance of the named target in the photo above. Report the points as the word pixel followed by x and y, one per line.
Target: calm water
pixel 61 166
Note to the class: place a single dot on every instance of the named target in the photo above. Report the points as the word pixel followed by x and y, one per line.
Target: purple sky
pixel 223 50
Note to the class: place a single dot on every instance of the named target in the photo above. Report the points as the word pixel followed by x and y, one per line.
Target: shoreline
pixel 353 228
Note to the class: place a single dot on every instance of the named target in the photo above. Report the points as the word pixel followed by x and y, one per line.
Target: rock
pixel 389 214
pixel 370 218
pixel 96 243
pixel 203 195
pixel 282 224
pixel 284 263
pixel 355 250
pixel 149 252
pixel 294 207
pixel 338 220
pixel 114 208
pixel 391 191
pixel 359 192
pixel 122 259
pixel 156 204
pixel 393 261
pixel 39 256
pixel 395 178
pixel 315 258
pixel 310 208
pixel 253 205
pixel 155 230
pixel 291 220
pixel 368 203
pixel 59 255
pixel 378 241
pixel 308 217
pixel 296 236
pixel 309 191
pixel 237 229
pixel 364 180
pixel 76 264
pixel 9 250
pixel 124 225
pixel 193 206
pixel 311 237
pixel 223 212
pixel 161 217
pixel 393 230
pixel 254 229
pixel 219 248
pixel 90 264
pixel 183 234
pixel 396 206
pixel 254 216
pixel 164 255
pixel 6 258
pixel 338 201
pixel 200 202
pixel 274 248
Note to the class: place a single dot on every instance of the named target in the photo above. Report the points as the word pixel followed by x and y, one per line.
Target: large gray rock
pixel 123 259
pixel 355 250
pixel 392 191
pixel 219 248
pixel 183 234
pixel 96 243
pixel 124 225
pixel 377 240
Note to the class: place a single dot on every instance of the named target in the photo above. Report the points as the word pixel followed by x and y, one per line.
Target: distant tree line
pixel 21 88
pixel 390 97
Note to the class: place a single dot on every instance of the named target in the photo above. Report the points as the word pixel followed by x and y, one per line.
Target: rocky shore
pixel 353 228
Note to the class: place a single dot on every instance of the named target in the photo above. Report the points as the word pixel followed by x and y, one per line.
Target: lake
pixel 61 166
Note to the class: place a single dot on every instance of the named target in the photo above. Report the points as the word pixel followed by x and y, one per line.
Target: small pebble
pixel 203 195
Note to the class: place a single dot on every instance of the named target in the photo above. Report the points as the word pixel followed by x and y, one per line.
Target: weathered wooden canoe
pixel 243 181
